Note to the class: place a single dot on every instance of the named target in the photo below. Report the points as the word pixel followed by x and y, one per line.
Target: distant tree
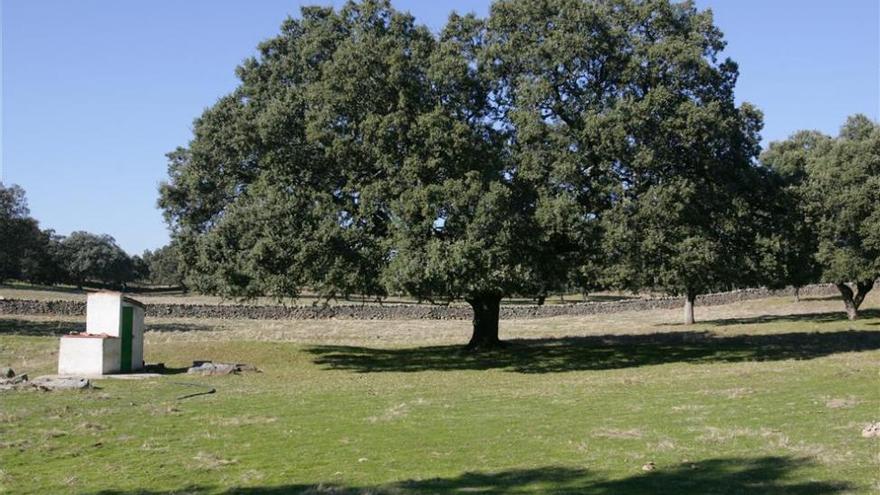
pixel 26 252
pixel 15 228
pixel 683 215
pixel 164 266
pixel 790 158
pixel 361 154
pixel 789 246
pixel 842 200
pixel 691 232
pixel 91 257
pixel 140 268
pixel 41 263
pixel 13 203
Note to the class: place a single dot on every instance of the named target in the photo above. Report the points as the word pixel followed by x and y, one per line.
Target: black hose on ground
pixel 208 390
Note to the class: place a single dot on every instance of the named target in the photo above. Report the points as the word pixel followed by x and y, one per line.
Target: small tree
pixel 140 269
pixel 790 244
pixel 684 215
pixel 688 236
pixel 164 266
pixel 15 229
pixel 91 257
pixel 41 263
pixel 26 252
pixel 842 199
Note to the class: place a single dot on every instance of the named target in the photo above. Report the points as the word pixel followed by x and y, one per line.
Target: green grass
pixel 764 397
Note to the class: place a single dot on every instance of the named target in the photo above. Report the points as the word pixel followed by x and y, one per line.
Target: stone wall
pixel 402 311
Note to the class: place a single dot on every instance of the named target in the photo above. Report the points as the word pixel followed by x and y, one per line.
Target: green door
pixel 126 335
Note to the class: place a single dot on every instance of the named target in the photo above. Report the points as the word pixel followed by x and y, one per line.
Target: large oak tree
pixel 362 154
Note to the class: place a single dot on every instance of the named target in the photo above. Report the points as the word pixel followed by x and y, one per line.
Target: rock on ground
pixel 14 382
pixel 209 368
pixel 61 383
pixel 872 430
pixel 45 383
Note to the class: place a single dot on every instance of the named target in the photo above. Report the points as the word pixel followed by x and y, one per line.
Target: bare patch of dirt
pixel 720 435
pixel 15 444
pixel 153 446
pixel 91 427
pixel 665 445
pixel 688 408
pixel 205 460
pixel 633 433
pixel 842 403
pixel 730 393
pixel 397 411
pixel 243 420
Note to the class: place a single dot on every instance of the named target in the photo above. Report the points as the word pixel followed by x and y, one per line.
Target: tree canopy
pixel 97 258
pixel 164 266
pixel 26 252
pixel 838 184
pixel 362 154
pixel 842 194
pixel 789 247
pixel 14 229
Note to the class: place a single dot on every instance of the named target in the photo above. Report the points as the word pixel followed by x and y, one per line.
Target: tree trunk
pixel 486 308
pixel 852 301
pixel 797 294
pixel 689 308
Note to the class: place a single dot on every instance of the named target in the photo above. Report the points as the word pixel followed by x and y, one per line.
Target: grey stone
pixel 209 368
pixel 241 367
pixel 6 373
pixel 60 383
pixel 14 383
pixel 17 379
pixel 872 430
pixel 44 383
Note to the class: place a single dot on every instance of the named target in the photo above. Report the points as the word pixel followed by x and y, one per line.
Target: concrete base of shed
pixel 115 376
pixel 87 354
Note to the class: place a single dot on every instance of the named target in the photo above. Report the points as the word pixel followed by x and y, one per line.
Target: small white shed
pixel 113 341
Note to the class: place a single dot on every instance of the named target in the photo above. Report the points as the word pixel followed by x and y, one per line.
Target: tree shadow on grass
pixel 598 352
pixel 799 317
pixel 56 328
pixel 758 476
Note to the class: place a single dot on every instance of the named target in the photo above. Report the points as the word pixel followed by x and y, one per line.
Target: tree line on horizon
pixel 548 145
pixel 82 259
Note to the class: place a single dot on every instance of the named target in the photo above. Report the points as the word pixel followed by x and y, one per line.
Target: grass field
pixel 762 397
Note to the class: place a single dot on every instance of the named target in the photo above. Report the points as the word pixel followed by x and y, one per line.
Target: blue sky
pixel 95 92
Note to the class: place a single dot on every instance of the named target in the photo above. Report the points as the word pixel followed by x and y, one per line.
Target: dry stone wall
pixel 402 311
